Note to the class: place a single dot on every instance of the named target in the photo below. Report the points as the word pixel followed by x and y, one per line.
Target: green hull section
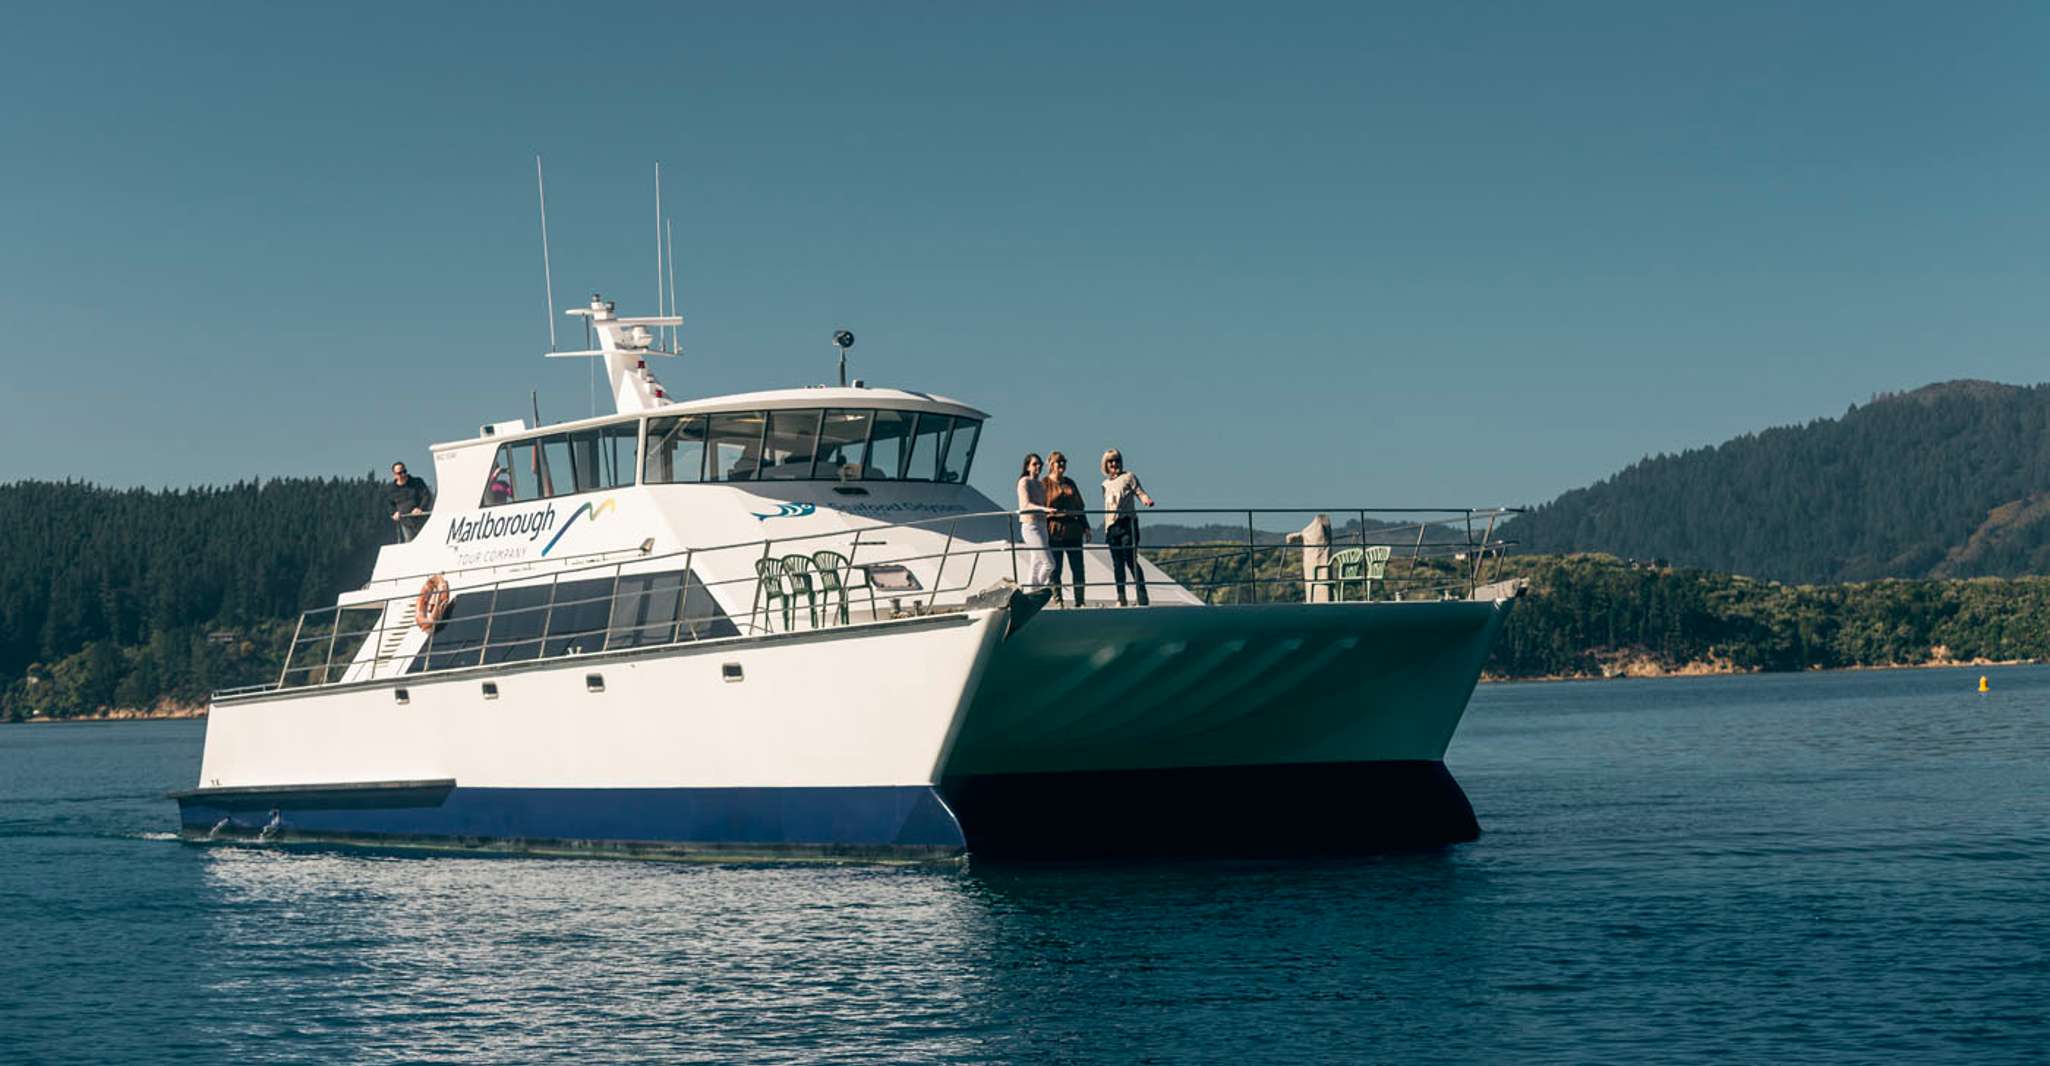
pixel 1172 687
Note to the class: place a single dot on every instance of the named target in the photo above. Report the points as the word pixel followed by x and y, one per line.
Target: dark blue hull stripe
pixel 909 819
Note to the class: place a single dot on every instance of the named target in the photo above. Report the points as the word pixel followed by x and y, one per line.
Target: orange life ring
pixel 432 602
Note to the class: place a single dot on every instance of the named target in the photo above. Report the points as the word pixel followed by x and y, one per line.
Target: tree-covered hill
pixel 128 597
pixel 1950 480
pixel 133 599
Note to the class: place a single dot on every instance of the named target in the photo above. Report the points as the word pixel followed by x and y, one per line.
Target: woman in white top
pixel 1032 511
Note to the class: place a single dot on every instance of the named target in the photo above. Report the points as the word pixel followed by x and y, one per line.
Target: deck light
pixel 843 340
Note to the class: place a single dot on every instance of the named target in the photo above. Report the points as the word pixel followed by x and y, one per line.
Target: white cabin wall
pixel 856 709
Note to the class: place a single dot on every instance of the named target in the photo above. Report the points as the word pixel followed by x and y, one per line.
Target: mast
pixel 625 345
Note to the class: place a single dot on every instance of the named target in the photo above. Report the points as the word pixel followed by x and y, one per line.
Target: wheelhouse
pixel 876 438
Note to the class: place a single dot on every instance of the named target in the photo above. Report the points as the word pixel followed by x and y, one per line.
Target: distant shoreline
pixel 1635 673
pixel 118 714
pixel 1720 670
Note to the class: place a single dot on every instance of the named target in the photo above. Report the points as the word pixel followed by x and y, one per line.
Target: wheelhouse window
pixel 889 444
pixel 922 461
pixel 515 475
pixel 676 450
pixel 604 457
pixel 960 451
pixel 733 446
pixel 819 445
pixel 843 445
pixel 791 442
pixel 559 464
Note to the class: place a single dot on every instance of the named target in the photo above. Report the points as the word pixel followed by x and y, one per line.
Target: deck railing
pixel 640 601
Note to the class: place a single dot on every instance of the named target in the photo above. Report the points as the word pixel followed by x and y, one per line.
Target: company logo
pixel 595 512
pixel 495 524
pixel 786 510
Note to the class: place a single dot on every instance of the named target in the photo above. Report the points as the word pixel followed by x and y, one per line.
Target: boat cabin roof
pixel 766 400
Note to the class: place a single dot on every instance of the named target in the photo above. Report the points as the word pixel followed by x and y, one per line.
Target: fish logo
pixel 786 510
pixel 587 509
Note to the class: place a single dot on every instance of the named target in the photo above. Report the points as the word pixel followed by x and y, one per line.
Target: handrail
pixel 956 517
pixel 398 523
pixel 1252 584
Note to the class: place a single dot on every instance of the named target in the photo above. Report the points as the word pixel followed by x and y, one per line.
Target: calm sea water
pixel 1841 867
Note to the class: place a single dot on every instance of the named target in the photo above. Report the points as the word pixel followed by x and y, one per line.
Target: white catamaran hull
pixel 823 743
pixel 1230 730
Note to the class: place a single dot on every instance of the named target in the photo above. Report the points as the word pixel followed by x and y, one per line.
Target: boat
pixel 781 624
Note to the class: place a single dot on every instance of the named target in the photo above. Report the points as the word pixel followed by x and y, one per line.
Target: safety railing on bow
pixel 848 577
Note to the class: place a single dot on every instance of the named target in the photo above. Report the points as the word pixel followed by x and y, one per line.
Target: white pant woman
pixel 1035 563
pixel 1035 559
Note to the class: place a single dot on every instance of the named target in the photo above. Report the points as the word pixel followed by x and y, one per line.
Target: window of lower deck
pixel 646 610
pixel 458 639
pixel 663 608
pixel 578 616
pixel 511 625
pixel 516 624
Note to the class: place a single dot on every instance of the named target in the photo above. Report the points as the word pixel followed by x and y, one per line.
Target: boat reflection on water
pixel 503 959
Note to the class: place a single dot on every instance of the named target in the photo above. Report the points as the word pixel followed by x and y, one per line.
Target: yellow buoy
pixel 1983 687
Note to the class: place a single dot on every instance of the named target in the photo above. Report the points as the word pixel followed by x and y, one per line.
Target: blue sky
pixel 1281 255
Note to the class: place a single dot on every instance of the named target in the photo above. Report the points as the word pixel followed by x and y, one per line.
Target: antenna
pixel 547 275
pixel 660 308
pixel 534 397
pixel 669 239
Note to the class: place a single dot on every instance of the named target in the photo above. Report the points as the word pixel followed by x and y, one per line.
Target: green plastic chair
pixel 770 590
pixel 1346 562
pixel 799 569
pixel 1355 566
pixel 838 576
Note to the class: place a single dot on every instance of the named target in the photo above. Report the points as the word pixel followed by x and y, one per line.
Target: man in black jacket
pixel 410 501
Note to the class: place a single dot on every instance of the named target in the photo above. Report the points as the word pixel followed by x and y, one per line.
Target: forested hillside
pixel 1951 480
pixel 127 598
pixel 133 599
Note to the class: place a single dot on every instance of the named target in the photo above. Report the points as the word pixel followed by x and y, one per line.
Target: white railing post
pixel 292 649
pixel 940 571
pixel 334 633
pixel 683 605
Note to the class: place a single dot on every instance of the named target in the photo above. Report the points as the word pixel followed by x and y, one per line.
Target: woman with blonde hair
pixel 1032 511
pixel 1121 522
pixel 1067 523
